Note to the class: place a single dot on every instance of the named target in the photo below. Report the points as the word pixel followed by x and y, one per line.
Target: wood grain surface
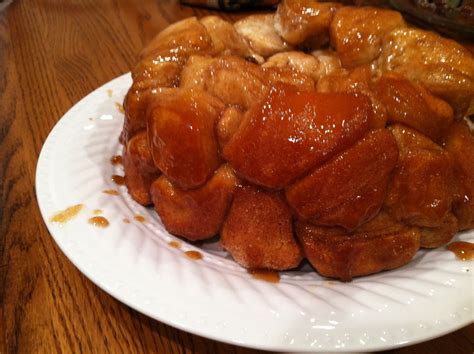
pixel 52 53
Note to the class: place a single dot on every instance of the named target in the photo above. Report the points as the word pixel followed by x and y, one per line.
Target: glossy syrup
pixel 116 160
pixel 265 275
pixel 194 255
pixel 99 221
pixel 139 218
pixel 175 244
pixel 110 192
pixel 118 180
pixel 463 250
pixel 67 214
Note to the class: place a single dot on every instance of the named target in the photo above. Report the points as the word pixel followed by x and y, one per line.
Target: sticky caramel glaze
pixel 99 221
pixel 67 214
pixel 194 255
pixel 195 214
pixel 356 32
pixel 139 218
pixel 116 160
pixel 175 244
pixel 463 250
pixel 140 171
pixel 441 235
pixel 378 245
pixel 349 189
pixel 118 180
pixel 258 231
pixel 182 138
pixel 414 106
pixel 292 132
pixel 110 192
pixel 119 107
pixel 460 146
pixel 304 21
pixel 265 275
pixel 421 189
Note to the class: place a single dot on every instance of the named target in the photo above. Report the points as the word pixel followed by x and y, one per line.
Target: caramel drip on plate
pixel 118 180
pixel 126 220
pixel 139 218
pixel 463 250
pixel 97 212
pixel 266 275
pixel 99 221
pixel 110 192
pixel 67 214
pixel 194 255
pixel 116 160
pixel 175 244
pixel 119 107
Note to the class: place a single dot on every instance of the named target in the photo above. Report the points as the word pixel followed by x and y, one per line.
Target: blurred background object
pixel 452 17
pixel 4 4
pixel 232 5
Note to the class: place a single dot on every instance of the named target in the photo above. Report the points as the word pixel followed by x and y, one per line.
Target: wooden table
pixel 52 53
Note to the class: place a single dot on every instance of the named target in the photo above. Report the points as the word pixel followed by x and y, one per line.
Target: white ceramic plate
pixel 214 297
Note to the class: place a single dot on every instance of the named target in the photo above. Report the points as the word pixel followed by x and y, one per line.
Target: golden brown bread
pixel 196 214
pixel 460 146
pixel 443 66
pixel 258 231
pixel 432 237
pixel 301 21
pixel 381 244
pixel 356 33
pixel 349 189
pixel 306 134
pixel 421 191
pixel 278 141
pixel 181 136
pixel 140 171
pixel 412 105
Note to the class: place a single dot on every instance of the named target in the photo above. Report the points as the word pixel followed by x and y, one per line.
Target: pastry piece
pixel 380 244
pixel 298 61
pixel 140 171
pixel 304 21
pixel 195 214
pixel 149 78
pixel 228 124
pixel 181 136
pixel 329 62
pixel 195 72
pixel 225 39
pixel 443 66
pixel 181 39
pixel 432 237
pixel 349 189
pixel 288 76
pixel 356 33
pixel 414 106
pixel 258 231
pixel 260 33
pixel 460 146
pixel 236 81
pixel 421 191
pixel 290 133
pixel 357 80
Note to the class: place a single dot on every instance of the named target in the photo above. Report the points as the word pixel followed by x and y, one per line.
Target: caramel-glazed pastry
pixel 321 131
